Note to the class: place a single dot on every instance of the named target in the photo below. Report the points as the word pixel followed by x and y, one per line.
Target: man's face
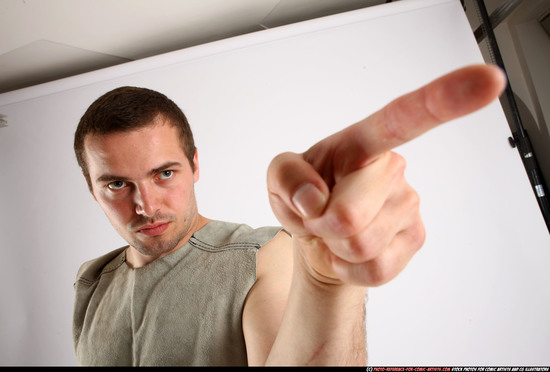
pixel 145 185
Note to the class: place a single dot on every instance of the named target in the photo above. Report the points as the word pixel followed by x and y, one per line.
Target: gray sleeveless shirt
pixel 181 309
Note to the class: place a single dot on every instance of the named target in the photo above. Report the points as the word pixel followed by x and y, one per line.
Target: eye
pixel 165 174
pixel 116 185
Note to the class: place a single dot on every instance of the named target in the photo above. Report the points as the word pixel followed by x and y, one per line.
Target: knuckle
pixel 379 273
pixel 399 161
pixel 283 156
pixel 393 125
pixel 285 172
pixel 413 199
pixel 345 219
pixel 408 200
pixel 362 248
pixel 396 165
pixel 281 162
pixel 417 236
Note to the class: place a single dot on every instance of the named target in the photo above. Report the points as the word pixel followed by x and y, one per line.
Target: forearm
pixel 323 324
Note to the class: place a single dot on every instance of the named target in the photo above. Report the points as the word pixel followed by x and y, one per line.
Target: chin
pixel 156 248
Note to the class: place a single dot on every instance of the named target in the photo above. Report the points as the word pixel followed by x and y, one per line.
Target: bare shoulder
pixel 267 299
pixel 274 268
pixel 275 256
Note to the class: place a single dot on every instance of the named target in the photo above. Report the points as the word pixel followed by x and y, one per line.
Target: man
pixel 188 290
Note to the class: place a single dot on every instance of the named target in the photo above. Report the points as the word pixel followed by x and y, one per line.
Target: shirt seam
pixel 194 241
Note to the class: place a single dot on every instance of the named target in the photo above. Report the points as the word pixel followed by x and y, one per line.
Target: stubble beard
pixel 157 245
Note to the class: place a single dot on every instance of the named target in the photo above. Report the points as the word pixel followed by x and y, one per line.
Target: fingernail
pixel 309 200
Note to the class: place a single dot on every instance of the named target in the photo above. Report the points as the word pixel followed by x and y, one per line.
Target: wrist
pixel 313 273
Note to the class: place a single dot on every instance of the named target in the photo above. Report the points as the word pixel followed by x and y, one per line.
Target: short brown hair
pixel 128 108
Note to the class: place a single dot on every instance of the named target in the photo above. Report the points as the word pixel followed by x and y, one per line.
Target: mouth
pixel 153 229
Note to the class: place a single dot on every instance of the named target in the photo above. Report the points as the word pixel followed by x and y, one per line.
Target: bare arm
pixel 354 219
pixel 266 302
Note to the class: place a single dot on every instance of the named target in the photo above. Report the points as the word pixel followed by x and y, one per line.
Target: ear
pixel 196 166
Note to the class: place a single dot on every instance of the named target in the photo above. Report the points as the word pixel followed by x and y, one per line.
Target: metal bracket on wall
pixel 498 15
pixel 521 139
pixel 3 121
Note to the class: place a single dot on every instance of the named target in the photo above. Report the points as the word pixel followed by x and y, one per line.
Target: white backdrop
pixel 476 294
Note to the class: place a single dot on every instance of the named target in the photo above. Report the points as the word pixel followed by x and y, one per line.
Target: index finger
pixel 451 96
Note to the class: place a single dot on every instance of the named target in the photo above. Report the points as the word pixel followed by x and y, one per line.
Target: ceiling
pixel 45 40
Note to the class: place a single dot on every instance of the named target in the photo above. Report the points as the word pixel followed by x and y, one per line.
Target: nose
pixel 147 200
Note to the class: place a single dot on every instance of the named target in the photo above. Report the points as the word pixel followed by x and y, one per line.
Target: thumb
pixel 296 190
pixel 309 200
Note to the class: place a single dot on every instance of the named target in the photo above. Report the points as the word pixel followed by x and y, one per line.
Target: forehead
pixel 133 153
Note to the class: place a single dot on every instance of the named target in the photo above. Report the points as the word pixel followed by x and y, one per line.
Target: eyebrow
pixel 112 177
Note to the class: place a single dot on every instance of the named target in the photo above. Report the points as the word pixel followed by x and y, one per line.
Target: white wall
pixel 475 295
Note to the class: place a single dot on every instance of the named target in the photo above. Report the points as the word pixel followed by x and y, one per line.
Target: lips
pixel 153 229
